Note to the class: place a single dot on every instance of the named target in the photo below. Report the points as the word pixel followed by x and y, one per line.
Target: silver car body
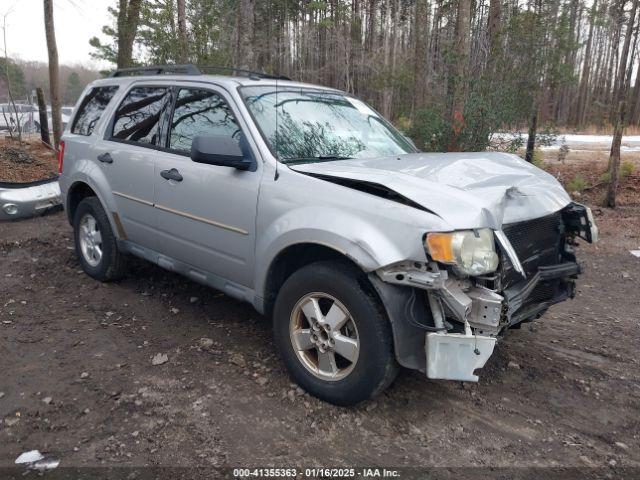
pixel 227 228
pixel 19 200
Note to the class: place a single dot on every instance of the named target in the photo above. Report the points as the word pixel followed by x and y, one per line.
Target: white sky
pixel 76 21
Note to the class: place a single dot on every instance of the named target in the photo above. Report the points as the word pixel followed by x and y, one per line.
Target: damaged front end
pixel 447 314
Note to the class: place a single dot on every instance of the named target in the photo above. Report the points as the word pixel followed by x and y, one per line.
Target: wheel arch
pixel 78 191
pixel 292 258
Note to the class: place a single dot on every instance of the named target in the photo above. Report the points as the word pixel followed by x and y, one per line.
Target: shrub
pixel 626 169
pixel 537 159
pixel 577 184
pixel 430 130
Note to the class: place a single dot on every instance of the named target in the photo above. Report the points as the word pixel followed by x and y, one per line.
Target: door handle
pixel 105 158
pixel 172 174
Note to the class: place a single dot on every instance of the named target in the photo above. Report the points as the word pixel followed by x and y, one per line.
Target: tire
pixel 334 284
pixel 111 263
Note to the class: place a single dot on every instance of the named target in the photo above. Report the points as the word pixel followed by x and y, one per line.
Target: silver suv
pixel 305 202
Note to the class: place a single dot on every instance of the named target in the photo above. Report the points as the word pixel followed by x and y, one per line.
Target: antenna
pixel 277 174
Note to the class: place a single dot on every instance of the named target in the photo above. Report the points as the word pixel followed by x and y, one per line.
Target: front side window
pixel 200 112
pixel 311 125
pixel 139 115
pixel 91 109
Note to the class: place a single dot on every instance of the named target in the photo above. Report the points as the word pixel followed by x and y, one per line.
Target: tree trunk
pixel 54 75
pixel 614 158
pixel 494 28
pixel 531 139
pixel 619 90
pixel 245 57
pixel 182 32
pixel 128 20
pixel 421 35
pixel 622 89
pixel 459 71
pixel 581 106
pixel 44 123
pixel 635 115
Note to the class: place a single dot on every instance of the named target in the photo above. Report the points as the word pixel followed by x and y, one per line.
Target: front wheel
pixel 333 334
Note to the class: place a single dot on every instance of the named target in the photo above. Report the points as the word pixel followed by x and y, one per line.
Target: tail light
pixel 60 156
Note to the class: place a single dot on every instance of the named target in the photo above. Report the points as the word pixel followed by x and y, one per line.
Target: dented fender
pixel 373 232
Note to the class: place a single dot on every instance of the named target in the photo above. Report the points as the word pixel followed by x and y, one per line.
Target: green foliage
pixel 538 160
pixel 74 88
pixel 577 184
pixel 626 169
pixel 106 51
pixel 430 130
pixel 15 76
pixel 547 136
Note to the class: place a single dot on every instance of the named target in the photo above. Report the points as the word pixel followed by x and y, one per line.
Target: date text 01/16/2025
pixel 315 473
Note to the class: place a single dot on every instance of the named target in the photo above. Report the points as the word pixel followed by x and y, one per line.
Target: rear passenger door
pixel 127 157
pixel 207 218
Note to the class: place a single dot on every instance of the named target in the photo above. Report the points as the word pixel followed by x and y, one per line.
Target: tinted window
pixel 91 108
pixel 200 112
pixel 138 116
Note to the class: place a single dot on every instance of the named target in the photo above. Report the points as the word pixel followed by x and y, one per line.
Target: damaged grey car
pixel 302 200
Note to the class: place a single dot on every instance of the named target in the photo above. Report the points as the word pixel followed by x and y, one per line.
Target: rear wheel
pixel 95 242
pixel 333 334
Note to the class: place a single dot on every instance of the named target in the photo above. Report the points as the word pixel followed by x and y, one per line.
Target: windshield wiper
pixel 319 158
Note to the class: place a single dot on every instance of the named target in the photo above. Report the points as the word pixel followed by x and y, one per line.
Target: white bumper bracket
pixel 455 356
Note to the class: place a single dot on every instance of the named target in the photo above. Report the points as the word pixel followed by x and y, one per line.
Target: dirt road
pixel 78 381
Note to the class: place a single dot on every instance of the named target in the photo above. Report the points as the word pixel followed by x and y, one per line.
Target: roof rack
pixel 190 69
pixel 157 70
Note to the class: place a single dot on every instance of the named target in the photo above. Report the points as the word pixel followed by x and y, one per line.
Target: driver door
pixel 206 213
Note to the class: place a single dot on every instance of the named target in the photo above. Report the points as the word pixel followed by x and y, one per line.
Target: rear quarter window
pixel 91 109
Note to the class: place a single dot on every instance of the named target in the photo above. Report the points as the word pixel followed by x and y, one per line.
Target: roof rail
pixel 157 70
pixel 190 69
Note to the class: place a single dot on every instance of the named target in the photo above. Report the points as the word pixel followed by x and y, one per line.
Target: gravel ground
pixel 79 382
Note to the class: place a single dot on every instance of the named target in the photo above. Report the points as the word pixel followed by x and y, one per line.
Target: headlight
pixel 471 251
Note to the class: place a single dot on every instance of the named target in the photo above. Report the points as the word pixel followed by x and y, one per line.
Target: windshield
pixel 307 125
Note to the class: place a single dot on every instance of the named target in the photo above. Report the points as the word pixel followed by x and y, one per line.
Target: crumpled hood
pixel 467 190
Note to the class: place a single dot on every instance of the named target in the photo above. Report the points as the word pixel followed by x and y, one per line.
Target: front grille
pixel 537 242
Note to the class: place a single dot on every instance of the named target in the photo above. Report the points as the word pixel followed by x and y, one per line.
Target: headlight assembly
pixel 472 252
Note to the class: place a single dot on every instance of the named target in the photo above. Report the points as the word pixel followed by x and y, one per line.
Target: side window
pixel 200 112
pixel 138 116
pixel 91 109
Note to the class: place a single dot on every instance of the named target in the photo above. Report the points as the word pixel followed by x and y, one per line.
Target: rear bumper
pixel 20 200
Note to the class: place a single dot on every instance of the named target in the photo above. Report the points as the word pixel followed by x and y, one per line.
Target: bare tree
pixel 128 20
pixel 459 65
pixel 182 32
pixel 583 90
pixel 245 57
pixel 54 74
pixel 621 89
pixel 421 42
pixel 8 77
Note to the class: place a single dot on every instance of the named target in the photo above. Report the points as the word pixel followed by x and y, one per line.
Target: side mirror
pixel 223 151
